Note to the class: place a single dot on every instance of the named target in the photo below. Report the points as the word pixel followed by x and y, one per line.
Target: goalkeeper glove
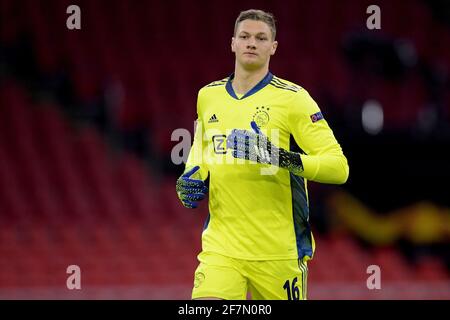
pixel 189 190
pixel 255 146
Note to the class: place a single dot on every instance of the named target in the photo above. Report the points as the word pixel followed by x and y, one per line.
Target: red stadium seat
pixel 66 198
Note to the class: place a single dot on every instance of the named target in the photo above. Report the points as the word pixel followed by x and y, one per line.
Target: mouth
pixel 251 54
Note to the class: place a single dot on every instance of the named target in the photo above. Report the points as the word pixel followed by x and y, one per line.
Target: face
pixel 253 44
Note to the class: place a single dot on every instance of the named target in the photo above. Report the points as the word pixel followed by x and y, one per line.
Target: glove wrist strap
pixel 291 161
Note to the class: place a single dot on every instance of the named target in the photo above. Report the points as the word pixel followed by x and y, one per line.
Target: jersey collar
pixel 264 82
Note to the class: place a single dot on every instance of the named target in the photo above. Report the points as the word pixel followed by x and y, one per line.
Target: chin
pixel 251 65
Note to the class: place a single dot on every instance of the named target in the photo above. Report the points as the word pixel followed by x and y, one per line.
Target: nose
pixel 251 44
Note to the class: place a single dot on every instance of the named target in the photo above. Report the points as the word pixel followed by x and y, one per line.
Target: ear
pixel 274 48
pixel 232 45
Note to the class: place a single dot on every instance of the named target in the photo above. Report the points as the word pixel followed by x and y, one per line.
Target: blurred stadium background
pixel 86 118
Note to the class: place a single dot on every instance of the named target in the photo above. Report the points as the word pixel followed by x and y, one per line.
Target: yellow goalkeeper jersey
pixel 260 211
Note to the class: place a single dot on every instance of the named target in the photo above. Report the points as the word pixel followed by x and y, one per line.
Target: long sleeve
pixel 323 159
pixel 199 146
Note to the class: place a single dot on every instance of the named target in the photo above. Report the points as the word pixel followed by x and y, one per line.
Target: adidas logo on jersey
pixel 213 119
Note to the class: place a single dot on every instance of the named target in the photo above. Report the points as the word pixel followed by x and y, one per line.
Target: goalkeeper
pixel 258 140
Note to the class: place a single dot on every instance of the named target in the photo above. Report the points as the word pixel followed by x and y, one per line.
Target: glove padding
pixel 255 146
pixel 189 190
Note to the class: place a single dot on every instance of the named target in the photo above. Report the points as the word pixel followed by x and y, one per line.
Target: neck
pixel 244 79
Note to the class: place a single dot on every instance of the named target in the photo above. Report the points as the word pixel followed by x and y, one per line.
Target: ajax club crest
pixel 261 116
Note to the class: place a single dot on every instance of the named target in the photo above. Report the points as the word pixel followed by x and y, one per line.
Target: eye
pixel 243 36
pixel 262 38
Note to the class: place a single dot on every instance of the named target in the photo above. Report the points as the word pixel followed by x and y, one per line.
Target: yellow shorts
pixel 232 279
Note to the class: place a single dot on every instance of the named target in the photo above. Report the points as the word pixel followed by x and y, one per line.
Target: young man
pixel 259 139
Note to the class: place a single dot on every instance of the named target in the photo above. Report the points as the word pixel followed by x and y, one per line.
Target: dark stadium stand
pixel 68 196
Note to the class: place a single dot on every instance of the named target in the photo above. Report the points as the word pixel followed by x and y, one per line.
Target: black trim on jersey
pixel 300 210
pixel 278 80
pixel 206 224
pixel 208 218
pixel 284 88
pixel 294 146
pixel 217 83
pixel 286 85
